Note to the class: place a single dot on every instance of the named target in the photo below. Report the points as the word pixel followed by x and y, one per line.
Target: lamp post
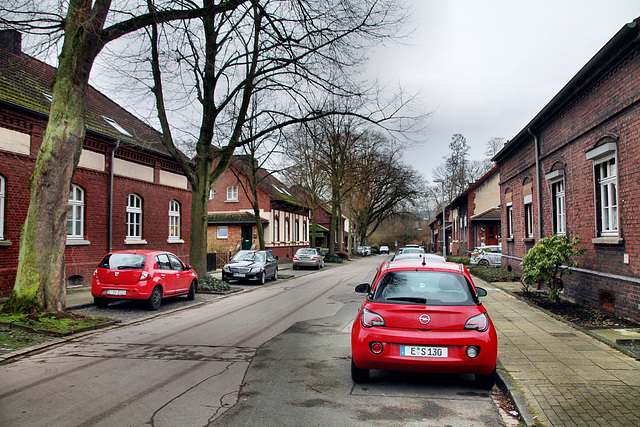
pixel 444 243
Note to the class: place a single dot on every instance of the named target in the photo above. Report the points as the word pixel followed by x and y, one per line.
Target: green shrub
pixel 210 284
pixel 335 258
pixel 498 274
pixel 548 261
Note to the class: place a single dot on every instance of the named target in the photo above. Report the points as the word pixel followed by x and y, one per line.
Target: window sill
pixel 607 240
pixel 231 201
pixel 78 242
pixel 5 243
pixel 529 240
pixel 509 239
pixel 222 238
pixel 135 242
pixel 175 241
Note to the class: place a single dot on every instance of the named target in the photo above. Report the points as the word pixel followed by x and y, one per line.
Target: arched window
pixel 276 230
pixel 134 217
pixel 75 213
pixel 287 230
pixel 174 220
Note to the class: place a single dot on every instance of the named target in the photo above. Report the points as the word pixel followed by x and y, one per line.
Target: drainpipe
pixel 113 154
pixel 538 189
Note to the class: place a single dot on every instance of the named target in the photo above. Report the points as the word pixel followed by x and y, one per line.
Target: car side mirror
pixel 363 288
pixel 482 292
pixel 187 267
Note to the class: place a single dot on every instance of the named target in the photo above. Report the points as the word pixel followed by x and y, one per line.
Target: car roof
pixel 141 252
pixel 417 264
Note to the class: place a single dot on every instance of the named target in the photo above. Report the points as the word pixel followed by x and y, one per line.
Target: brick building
pixel 127 191
pixel 475 215
pixel 574 170
pixel 231 223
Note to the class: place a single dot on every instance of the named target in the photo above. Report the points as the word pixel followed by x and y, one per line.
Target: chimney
pixel 12 40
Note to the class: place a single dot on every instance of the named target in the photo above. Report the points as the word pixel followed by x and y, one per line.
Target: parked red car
pixel 423 316
pixel 143 275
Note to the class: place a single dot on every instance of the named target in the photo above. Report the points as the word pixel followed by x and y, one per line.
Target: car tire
pixel 263 278
pixel 318 267
pixel 275 275
pixel 192 291
pixel 295 267
pixel 359 376
pixel 101 302
pixel 155 299
pixel 486 381
pixel 483 263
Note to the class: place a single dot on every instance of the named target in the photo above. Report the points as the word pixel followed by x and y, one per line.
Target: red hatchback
pixel 423 316
pixel 142 275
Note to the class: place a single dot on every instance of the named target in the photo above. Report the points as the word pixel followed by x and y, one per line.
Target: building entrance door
pixel 247 241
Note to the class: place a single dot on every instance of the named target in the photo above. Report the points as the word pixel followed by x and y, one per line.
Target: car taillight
pixel 479 322
pixel 295 258
pixel 370 318
pixel 144 275
pixel 314 258
pixel 95 273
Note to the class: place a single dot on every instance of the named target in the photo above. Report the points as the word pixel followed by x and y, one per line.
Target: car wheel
pixel 192 291
pixel 263 278
pixel 359 376
pixel 295 267
pixel 275 274
pixel 153 303
pixel 483 262
pixel 101 302
pixel 318 267
pixel 486 381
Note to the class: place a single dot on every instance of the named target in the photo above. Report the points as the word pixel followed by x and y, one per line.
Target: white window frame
pixel 212 193
pixel 276 229
pixel 134 217
pixel 174 220
pixel 75 213
pixel 2 195
pixel 297 231
pixel 222 232
pixel 287 230
pixel 232 193
pixel 607 191
pixel 559 207
pixel 528 220
pixel 510 220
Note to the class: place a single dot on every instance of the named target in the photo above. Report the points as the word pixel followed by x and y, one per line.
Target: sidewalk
pixel 567 377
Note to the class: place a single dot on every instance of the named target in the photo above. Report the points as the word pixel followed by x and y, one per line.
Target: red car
pixel 423 316
pixel 143 275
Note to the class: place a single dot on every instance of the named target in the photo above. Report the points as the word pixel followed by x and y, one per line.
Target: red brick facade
pixel 83 253
pixel 595 117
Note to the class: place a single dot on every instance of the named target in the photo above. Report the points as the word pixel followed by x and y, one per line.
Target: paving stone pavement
pixel 568 377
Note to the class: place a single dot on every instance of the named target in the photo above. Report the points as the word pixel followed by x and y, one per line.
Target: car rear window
pixel 123 261
pixel 424 287
pixel 306 251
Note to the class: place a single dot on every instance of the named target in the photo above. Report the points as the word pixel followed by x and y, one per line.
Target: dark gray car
pixel 251 265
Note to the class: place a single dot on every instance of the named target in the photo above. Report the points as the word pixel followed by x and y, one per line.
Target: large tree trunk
pixel 40 275
pixel 199 210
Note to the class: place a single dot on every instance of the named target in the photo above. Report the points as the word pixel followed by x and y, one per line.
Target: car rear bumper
pixel 140 291
pixel 456 343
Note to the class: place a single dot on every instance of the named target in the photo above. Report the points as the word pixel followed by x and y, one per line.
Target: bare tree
pixel 305 171
pixel 384 185
pixel 288 53
pixel 39 279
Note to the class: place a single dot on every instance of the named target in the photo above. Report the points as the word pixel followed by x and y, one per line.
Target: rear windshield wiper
pixel 417 300
pixel 129 267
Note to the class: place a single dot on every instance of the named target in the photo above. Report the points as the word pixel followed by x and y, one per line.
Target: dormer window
pixel 116 126
pixel 49 97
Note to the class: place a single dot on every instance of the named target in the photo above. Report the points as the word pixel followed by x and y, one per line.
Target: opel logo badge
pixel 117 273
pixel 424 319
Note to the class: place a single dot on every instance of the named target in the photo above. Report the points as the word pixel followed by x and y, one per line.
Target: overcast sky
pixel 486 68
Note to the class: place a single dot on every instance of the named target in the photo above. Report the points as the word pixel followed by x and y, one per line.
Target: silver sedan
pixel 308 257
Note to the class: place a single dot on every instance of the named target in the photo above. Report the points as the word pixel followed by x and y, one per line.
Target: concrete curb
pixel 506 384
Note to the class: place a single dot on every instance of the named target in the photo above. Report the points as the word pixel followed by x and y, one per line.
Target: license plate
pixel 238 275
pixel 419 351
pixel 118 292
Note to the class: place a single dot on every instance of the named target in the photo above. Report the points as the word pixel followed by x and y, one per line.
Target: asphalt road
pixel 276 355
